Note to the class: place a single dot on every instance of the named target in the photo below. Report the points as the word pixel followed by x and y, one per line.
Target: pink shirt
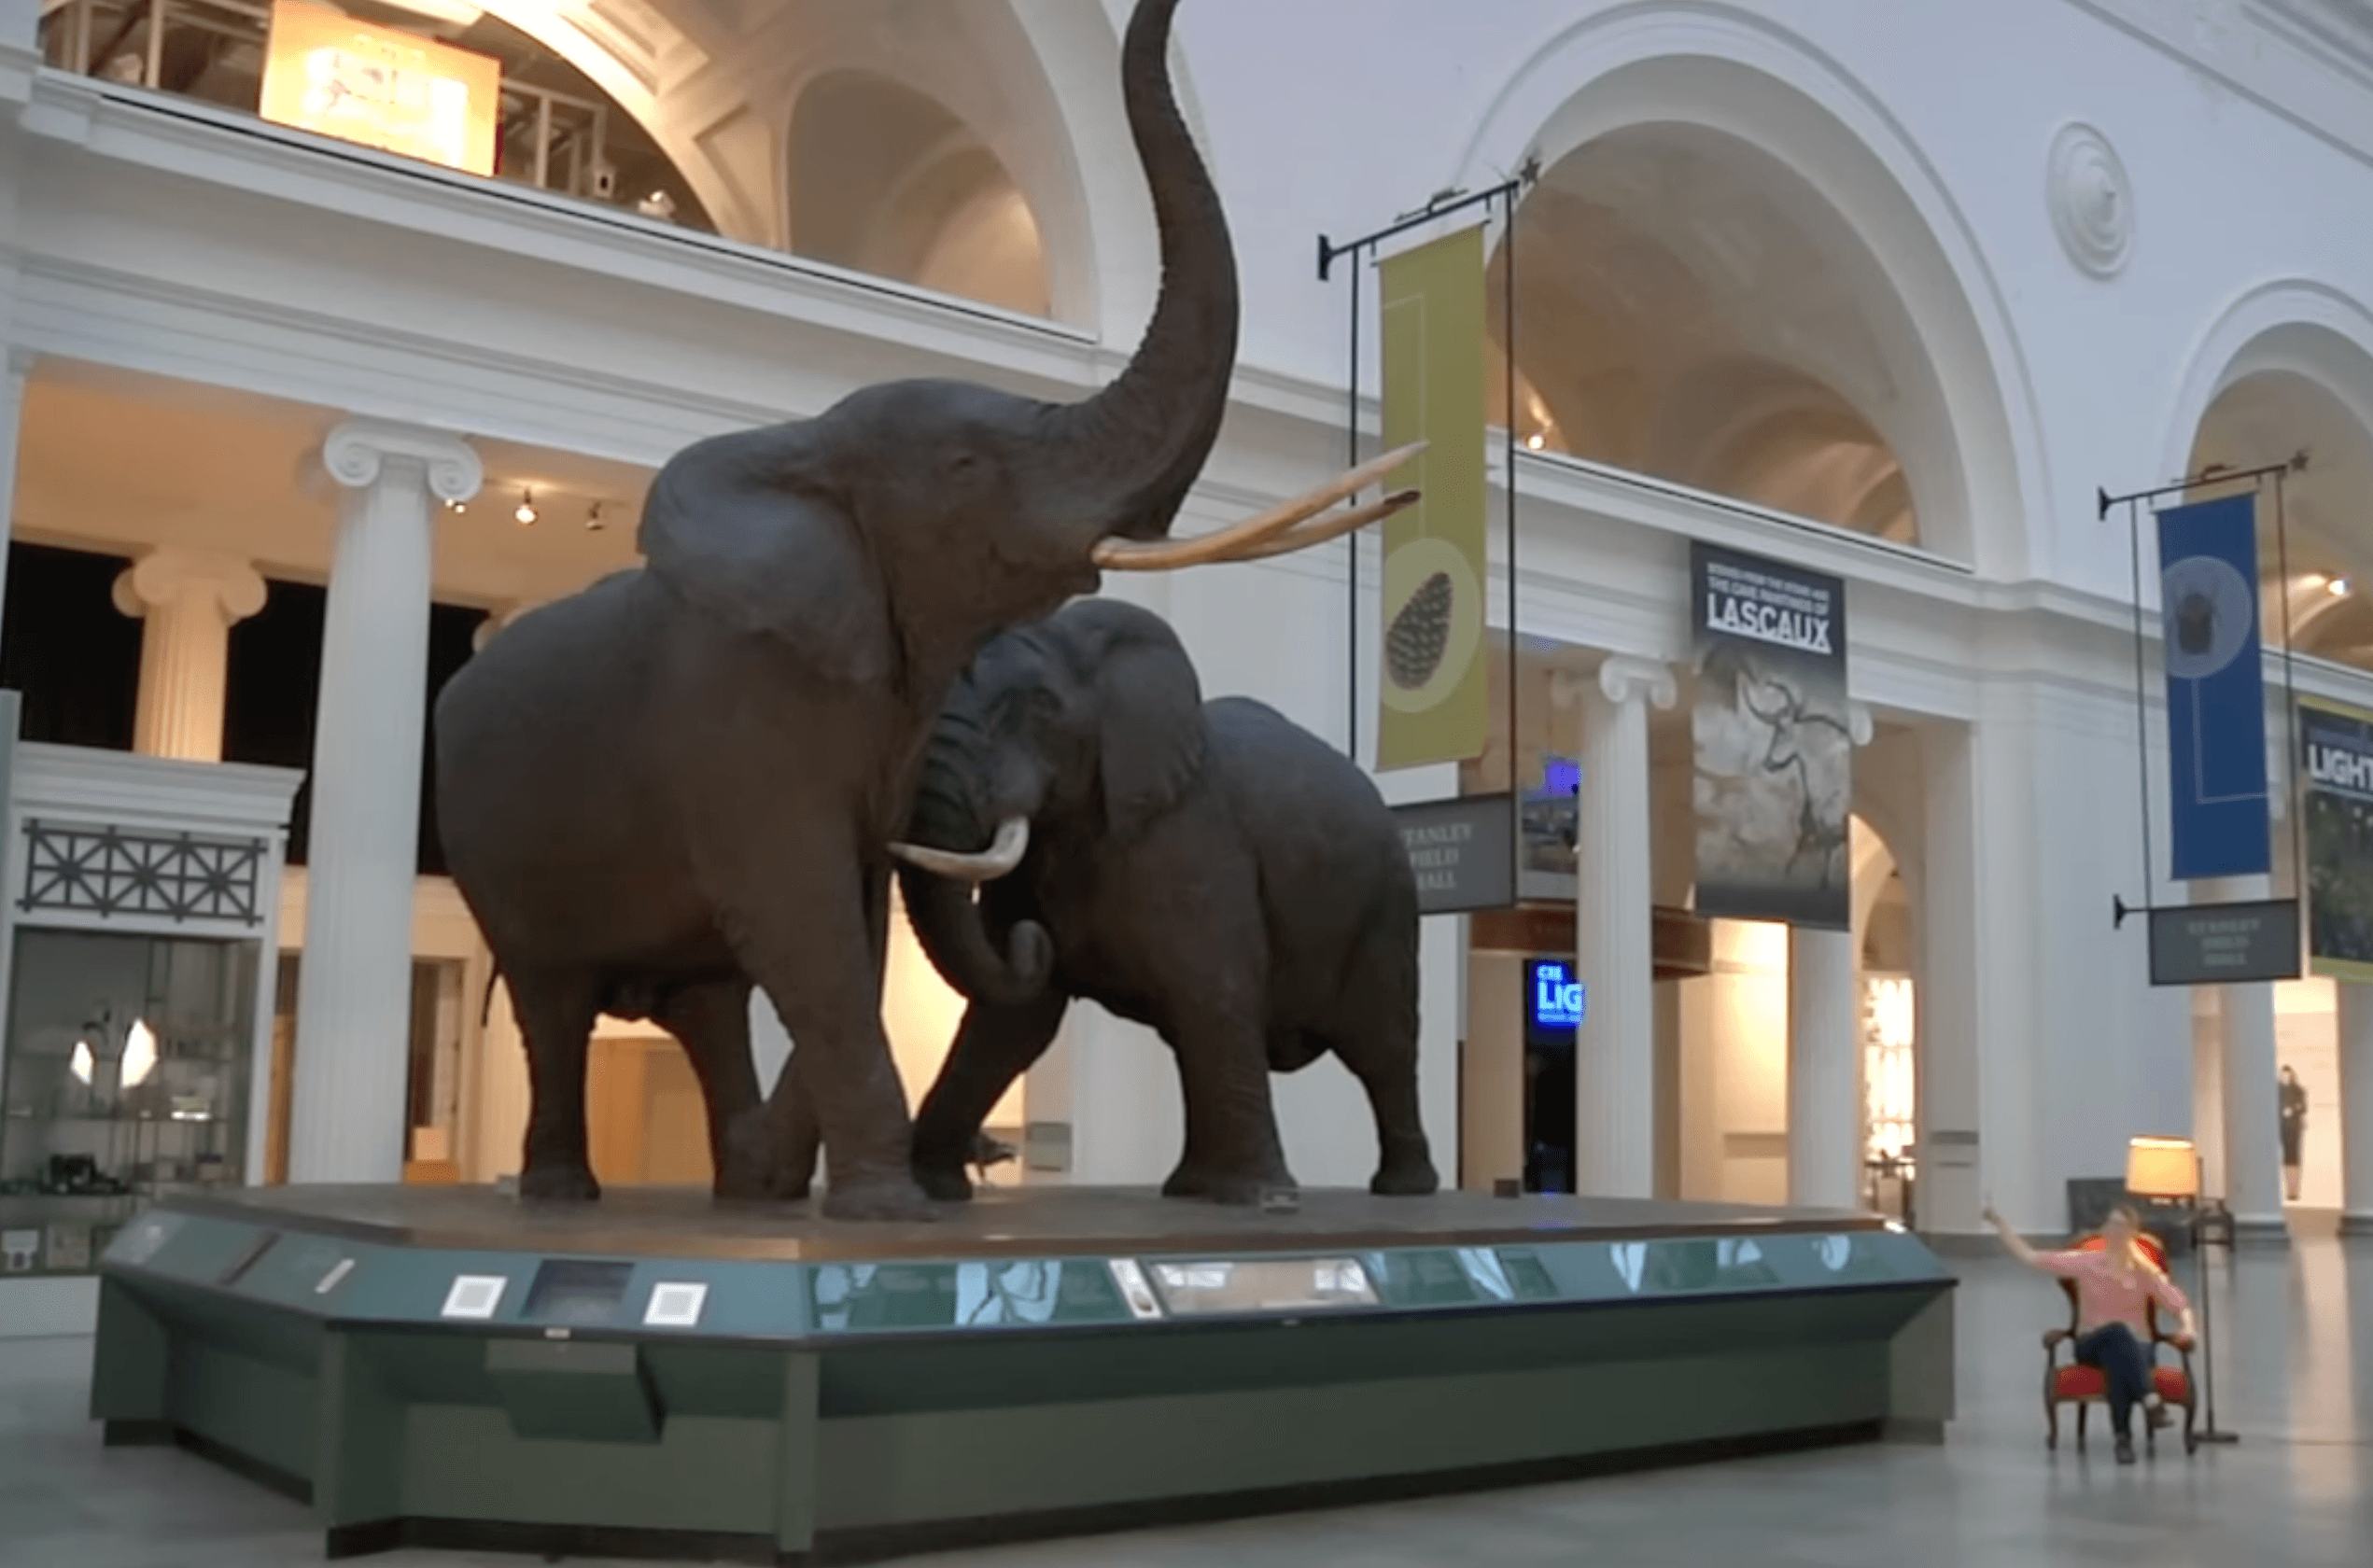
pixel 2106 1294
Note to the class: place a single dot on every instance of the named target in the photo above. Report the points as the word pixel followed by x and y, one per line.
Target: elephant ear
pixel 1152 731
pixel 731 526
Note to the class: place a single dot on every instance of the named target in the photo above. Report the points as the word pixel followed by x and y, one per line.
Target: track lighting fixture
pixel 526 512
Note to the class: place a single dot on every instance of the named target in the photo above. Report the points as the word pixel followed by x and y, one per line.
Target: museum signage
pixel 1463 850
pixel 2216 689
pixel 1434 685
pixel 2336 764
pixel 1774 740
pixel 382 88
pixel 2225 943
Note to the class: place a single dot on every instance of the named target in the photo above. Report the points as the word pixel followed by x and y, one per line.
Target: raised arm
pixel 2013 1242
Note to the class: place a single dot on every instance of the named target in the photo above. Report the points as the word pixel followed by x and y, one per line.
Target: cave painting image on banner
pixel 2337 763
pixel 1434 682
pixel 2216 689
pixel 1773 741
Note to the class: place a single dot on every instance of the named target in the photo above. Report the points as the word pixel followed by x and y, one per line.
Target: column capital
pixel 1624 679
pixel 1858 725
pixel 356 454
pixel 173 575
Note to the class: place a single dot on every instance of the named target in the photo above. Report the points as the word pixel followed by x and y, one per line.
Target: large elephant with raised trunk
pixel 686 778
pixel 1211 870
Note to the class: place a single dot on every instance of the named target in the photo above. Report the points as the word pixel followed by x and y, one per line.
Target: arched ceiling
pixel 2264 417
pixel 1686 309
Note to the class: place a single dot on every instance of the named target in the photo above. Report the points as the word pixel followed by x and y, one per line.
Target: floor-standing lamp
pixel 2167 1170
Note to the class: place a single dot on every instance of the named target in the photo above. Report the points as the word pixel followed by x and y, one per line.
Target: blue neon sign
pixel 1556 1001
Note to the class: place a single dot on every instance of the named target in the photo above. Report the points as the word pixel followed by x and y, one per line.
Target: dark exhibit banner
pixel 2337 762
pixel 1773 741
pixel 1463 850
pixel 2216 689
pixel 2225 943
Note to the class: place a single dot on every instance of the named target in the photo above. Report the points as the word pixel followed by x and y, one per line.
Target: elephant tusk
pixel 1238 543
pixel 1333 526
pixel 1012 843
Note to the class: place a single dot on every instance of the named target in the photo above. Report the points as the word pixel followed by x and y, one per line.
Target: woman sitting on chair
pixel 2115 1288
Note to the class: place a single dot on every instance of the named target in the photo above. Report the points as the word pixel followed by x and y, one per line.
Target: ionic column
pixel 15 364
pixel 2253 1115
pixel 354 998
pixel 1825 1057
pixel 1614 927
pixel 190 600
pixel 2356 1109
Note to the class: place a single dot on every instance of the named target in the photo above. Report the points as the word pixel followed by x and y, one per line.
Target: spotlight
pixel 593 518
pixel 1536 441
pixel 526 512
pixel 2337 587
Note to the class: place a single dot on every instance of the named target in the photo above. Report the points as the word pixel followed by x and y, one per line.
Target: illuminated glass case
pixel 127 1073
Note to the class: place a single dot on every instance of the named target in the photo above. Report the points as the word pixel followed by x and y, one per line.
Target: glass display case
pixel 127 1072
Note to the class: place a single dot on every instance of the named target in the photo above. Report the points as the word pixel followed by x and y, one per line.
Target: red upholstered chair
pixel 2067 1384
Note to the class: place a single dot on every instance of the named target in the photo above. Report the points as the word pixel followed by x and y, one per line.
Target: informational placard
pixel 332 74
pixel 1436 686
pixel 2336 744
pixel 1198 1289
pixel 2225 943
pixel 2218 824
pixel 1463 850
pixel 1774 739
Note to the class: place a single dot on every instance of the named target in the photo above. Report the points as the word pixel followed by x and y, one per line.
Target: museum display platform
pixel 659 1374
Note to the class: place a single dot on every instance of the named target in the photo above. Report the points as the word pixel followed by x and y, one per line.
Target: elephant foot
pixel 945 1183
pixel 558 1184
pixel 753 1171
pixel 1234 1189
pixel 748 1186
pixel 1409 1178
pixel 878 1199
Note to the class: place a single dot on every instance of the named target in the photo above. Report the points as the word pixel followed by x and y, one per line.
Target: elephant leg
pixel 993 1047
pixel 1388 1070
pixel 1233 1154
pixel 794 1172
pixel 818 969
pixel 556 1008
pixel 711 1021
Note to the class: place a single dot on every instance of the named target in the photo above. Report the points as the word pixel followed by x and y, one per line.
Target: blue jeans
pixel 2125 1364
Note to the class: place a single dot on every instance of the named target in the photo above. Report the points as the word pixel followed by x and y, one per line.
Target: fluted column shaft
pixel 353 994
pixel 1825 1056
pixel 2250 1090
pixel 14 367
pixel 190 600
pixel 2356 1107
pixel 1615 1047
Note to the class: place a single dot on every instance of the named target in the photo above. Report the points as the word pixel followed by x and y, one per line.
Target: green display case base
pixel 655 1375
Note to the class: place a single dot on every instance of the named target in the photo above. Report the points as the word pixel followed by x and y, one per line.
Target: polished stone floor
pixel 2296 1327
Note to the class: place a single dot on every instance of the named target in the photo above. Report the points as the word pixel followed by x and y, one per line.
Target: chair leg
pixel 2051 1421
pixel 2083 1409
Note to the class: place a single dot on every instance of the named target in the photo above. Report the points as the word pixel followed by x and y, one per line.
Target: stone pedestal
pixel 353 995
pixel 190 600
pixel 1615 1048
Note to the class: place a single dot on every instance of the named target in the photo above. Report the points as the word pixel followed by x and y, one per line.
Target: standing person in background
pixel 2293 1130
pixel 2114 1289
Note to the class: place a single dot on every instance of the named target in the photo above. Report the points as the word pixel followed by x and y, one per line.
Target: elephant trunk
pixel 1145 437
pixel 946 917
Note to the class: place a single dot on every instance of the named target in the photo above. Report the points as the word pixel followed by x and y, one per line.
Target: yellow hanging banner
pixel 327 73
pixel 1435 683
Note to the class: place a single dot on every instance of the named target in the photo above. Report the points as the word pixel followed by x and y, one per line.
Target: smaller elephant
pixel 1208 869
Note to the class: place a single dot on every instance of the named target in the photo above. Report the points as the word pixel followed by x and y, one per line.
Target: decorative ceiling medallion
pixel 2092 202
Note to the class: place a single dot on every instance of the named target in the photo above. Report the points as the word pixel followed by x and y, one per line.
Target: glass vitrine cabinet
pixel 127 1072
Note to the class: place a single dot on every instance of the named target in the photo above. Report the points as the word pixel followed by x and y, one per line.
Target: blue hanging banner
pixel 2216 689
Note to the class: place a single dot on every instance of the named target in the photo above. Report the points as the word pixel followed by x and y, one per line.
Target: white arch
pixel 1721 67
pixel 2308 328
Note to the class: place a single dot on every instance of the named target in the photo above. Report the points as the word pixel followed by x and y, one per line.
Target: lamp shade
pixel 2162 1168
